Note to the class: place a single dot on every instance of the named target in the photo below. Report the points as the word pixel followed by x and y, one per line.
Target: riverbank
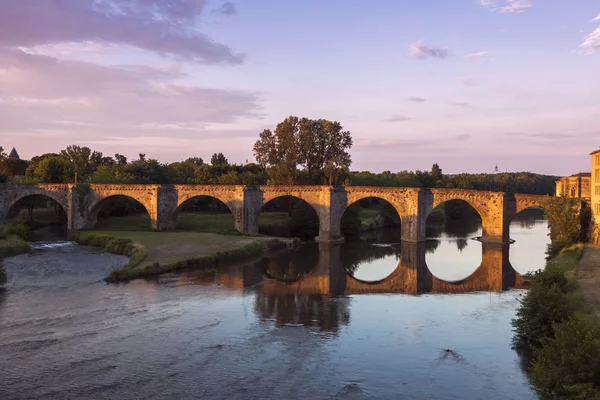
pixel 155 253
pixel 588 277
pixel 558 322
pixel 10 246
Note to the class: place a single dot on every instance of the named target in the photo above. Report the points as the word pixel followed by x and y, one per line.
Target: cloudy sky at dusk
pixel 465 83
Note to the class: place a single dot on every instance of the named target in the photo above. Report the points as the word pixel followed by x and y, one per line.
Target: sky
pixel 467 84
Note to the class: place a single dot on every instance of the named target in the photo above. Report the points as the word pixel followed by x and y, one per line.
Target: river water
pixel 375 319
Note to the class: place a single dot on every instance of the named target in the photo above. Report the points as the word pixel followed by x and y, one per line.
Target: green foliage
pixel 541 307
pixel 563 218
pixel 112 174
pixel 351 222
pixel 585 221
pixel 565 342
pixel 52 169
pixel 12 246
pixel 568 363
pixel 13 166
pixel 83 160
pixel 20 227
pixel 304 220
pixel 319 147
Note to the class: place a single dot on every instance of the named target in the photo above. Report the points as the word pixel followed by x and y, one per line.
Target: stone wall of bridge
pixel 164 202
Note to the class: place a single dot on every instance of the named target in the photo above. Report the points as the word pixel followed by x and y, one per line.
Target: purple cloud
pixel 86 100
pixel 417 99
pixel 165 27
pixel 397 118
pixel 227 9
pixel 422 52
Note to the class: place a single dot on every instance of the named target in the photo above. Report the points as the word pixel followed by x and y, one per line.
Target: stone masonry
pixel 164 202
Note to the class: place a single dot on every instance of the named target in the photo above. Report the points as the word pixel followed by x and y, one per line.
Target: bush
pixel 541 307
pixel 20 227
pixel 568 364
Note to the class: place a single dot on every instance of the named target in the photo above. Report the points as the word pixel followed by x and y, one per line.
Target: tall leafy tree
pixel 83 159
pixel 53 169
pixel 318 146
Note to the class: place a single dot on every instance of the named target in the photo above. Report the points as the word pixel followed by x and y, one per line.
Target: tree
pixel 120 159
pixel 568 363
pixel 318 146
pixel 197 161
pixel 13 166
pixel 562 214
pixel 436 173
pixel 219 160
pixel 83 159
pixel 54 170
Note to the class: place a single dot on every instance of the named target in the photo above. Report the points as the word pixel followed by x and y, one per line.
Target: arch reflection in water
pixel 530 232
pixel 410 275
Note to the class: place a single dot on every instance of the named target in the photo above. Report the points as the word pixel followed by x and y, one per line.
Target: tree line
pixel 299 151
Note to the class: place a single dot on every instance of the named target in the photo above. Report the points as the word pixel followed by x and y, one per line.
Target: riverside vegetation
pixel 554 323
pixel 10 245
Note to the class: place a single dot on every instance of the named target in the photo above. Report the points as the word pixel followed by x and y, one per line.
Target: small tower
pixel 14 154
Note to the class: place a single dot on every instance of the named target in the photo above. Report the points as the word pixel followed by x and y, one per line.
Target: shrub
pixel 568 364
pixel 20 227
pixel 552 276
pixel 541 307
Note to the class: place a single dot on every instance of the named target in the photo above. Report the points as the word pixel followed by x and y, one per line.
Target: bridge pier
pixel 247 211
pixel 413 215
pixel 330 208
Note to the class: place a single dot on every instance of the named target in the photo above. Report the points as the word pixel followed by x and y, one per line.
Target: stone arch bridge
pixel 163 203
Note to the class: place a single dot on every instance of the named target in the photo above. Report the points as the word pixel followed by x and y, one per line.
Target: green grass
pixel 366 214
pixel 153 253
pixel 12 246
pixel 42 216
pixel 221 223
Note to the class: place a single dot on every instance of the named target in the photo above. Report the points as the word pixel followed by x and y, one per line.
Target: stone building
pixel 577 186
pixel 595 192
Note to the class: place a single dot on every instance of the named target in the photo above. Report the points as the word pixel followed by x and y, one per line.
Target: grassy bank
pixel 10 246
pixel 562 330
pixel 221 223
pixel 154 253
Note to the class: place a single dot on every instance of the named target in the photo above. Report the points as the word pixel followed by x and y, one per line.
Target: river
pixel 375 319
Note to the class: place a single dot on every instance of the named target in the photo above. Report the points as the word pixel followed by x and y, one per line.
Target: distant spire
pixel 14 154
pixel 496 169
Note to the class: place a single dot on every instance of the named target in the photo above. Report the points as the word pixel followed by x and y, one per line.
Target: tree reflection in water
pixel 324 312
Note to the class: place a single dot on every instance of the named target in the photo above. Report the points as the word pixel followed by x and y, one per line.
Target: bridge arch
pixel 98 201
pixel 219 208
pixel 299 209
pixel 386 212
pixel 18 202
pixel 13 197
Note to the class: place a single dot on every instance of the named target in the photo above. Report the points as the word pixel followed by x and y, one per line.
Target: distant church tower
pixel 14 154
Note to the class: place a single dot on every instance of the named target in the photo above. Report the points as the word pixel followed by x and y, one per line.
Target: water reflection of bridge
pixel 312 294
pixel 411 276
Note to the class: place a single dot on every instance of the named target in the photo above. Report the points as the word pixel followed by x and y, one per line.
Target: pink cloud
pixel 39 93
pixel 160 26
